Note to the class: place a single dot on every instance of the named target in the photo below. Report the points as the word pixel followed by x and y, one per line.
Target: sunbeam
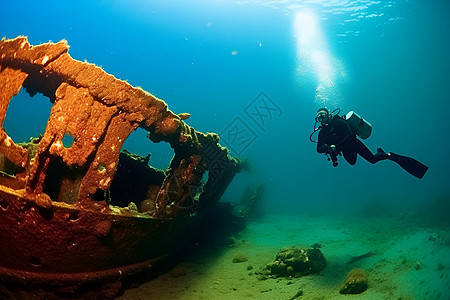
pixel 315 58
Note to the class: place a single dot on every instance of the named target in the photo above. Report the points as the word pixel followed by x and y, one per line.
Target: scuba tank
pixel 362 128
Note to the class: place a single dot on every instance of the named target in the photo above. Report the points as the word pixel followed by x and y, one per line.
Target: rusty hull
pixel 59 223
pixel 66 244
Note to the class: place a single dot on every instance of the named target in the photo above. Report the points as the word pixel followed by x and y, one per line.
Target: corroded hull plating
pixel 71 246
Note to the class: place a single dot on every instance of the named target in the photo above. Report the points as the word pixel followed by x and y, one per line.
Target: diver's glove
pixel 332 150
pixel 332 155
pixel 325 148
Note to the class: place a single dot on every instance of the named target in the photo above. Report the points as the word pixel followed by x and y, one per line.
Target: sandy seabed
pixel 409 261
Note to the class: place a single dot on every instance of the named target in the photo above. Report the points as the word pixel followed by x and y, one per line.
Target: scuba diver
pixel 338 136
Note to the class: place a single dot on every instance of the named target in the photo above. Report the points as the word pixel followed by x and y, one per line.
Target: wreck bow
pixel 57 210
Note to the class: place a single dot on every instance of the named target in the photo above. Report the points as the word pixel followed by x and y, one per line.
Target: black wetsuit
pixel 340 134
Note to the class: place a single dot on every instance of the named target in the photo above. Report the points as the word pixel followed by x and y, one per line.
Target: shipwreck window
pixel 26 116
pixel 62 182
pixel 138 143
pixel 139 176
pixel 67 140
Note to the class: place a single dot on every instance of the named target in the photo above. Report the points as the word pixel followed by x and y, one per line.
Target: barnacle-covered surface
pixel 63 203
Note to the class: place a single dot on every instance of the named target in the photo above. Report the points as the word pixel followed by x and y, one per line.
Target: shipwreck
pixel 90 212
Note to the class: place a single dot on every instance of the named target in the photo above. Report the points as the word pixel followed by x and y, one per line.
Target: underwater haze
pixel 256 72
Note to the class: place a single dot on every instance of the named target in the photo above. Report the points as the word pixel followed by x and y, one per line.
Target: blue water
pixel 386 60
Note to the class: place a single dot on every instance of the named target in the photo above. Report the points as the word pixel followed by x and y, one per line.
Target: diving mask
pixel 322 117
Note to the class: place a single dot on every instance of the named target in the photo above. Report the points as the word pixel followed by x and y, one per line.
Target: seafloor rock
pixel 356 282
pixel 295 262
pixel 239 258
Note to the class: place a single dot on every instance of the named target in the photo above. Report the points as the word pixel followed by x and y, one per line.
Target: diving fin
pixel 409 164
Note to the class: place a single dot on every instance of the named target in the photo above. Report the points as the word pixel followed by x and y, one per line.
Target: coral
pixel 295 262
